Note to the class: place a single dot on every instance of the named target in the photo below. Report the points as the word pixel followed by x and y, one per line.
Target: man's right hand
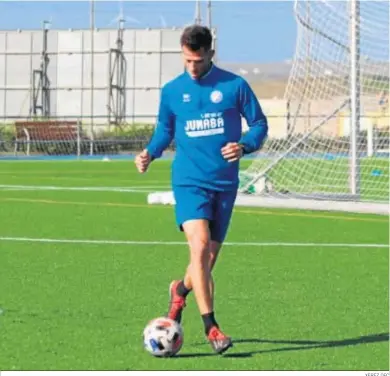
pixel 142 161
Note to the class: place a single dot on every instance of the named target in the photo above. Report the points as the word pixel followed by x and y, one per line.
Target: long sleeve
pixel 165 127
pixel 255 118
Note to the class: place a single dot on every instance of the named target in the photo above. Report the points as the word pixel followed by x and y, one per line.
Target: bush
pixel 7 138
pixel 120 139
pixel 128 138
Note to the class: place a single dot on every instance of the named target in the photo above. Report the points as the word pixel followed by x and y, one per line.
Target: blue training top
pixel 202 116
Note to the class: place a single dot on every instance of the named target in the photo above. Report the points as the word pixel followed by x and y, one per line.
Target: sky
pixel 248 31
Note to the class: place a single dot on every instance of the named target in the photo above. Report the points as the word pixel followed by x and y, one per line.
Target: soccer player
pixel 201 110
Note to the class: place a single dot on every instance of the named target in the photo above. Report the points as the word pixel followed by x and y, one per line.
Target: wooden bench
pixel 47 132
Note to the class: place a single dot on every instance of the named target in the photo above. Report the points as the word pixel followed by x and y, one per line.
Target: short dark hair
pixel 195 37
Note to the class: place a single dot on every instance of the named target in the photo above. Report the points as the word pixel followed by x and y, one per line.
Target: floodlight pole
pixel 198 17
pixel 209 14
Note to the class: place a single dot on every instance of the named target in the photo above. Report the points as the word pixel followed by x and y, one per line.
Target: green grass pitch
pixel 83 305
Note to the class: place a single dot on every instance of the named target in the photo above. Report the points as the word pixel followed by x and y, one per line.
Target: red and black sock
pixel 182 289
pixel 209 321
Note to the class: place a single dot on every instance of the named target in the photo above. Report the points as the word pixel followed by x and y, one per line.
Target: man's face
pixel 197 62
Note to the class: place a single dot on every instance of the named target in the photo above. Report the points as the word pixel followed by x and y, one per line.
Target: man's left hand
pixel 232 151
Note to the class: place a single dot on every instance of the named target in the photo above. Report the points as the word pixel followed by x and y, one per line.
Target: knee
pixel 200 250
pixel 198 237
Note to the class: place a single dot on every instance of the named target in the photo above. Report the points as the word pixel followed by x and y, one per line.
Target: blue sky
pixel 248 31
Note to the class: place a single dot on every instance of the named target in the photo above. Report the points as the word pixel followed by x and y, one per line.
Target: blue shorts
pixel 201 203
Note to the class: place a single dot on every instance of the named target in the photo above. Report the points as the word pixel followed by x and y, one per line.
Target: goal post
pixel 335 146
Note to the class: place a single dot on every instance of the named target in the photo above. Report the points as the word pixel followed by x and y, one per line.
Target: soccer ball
pixel 163 337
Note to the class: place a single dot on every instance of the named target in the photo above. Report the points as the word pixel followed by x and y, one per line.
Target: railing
pixel 102 138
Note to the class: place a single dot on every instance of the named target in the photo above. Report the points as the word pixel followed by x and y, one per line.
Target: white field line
pixel 147 242
pixel 139 189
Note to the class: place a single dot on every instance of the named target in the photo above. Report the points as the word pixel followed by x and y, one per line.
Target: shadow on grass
pixel 195 355
pixel 298 345
pixel 295 345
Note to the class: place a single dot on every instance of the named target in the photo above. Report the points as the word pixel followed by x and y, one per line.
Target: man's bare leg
pixel 179 290
pixel 214 249
pixel 198 277
pixel 198 236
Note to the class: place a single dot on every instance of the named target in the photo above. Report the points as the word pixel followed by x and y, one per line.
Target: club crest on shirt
pixel 216 96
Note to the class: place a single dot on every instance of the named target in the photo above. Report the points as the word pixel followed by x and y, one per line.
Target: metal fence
pixel 77 136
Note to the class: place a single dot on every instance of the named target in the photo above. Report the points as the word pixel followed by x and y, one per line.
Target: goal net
pixel 335 143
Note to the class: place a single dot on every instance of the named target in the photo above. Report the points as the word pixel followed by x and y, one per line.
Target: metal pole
pixel 82 80
pixel 198 18
pixel 92 25
pixel 355 98
pixel 78 138
pixel 209 14
pixel 5 80
pixel 45 60
pixel 308 66
pixel 288 118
